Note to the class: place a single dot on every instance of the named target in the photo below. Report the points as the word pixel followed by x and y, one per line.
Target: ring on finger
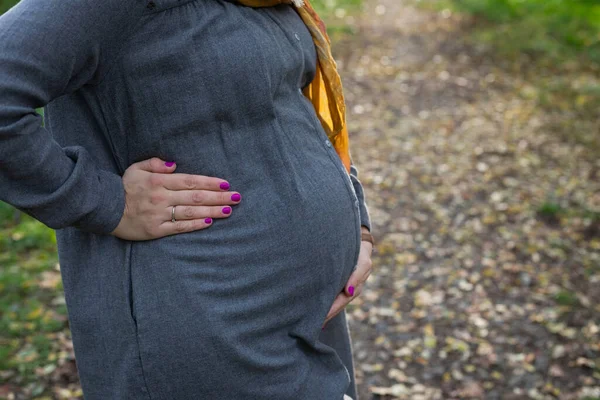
pixel 173 214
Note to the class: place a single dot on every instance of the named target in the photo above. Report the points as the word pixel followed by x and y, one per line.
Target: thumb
pixel 156 165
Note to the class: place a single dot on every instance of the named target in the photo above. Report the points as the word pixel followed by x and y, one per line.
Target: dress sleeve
pixel 48 49
pixel 365 219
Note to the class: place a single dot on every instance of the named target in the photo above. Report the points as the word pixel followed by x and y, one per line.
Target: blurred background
pixel 475 126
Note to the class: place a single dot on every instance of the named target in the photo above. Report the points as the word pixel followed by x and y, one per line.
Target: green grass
pixel 334 13
pixel 6 4
pixel 549 209
pixel 573 99
pixel 32 309
pixel 566 298
pixel 558 30
pixel 30 314
pixel 328 7
pixel 554 45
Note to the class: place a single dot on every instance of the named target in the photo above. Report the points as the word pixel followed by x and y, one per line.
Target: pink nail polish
pixel 224 185
pixel 351 290
pixel 226 210
pixel 208 220
pixel 236 197
pixel 170 163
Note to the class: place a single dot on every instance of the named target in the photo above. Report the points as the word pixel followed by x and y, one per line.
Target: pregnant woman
pixel 195 163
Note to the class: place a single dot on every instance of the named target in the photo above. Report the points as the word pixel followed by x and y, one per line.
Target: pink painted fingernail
pixel 351 290
pixel 224 185
pixel 208 220
pixel 226 210
pixel 236 197
pixel 170 163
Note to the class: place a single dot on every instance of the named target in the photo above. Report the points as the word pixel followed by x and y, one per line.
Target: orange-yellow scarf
pixel 325 91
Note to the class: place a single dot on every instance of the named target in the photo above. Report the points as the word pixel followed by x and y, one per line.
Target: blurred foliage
pixel 6 4
pixel 325 7
pixel 556 29
pixel 338 15
pixel 32 309
pixel 553 46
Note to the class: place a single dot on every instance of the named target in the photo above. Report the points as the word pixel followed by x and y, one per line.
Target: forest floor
pixel 483 181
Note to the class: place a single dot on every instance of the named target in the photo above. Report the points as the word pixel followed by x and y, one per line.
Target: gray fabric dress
pixel 230 312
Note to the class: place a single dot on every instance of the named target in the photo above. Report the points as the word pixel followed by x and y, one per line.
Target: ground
pixel 486 271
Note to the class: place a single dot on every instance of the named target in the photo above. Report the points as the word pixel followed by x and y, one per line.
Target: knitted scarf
pixel 325 91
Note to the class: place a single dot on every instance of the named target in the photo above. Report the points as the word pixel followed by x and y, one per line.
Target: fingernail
pixel 170 163
pixel 351 290
pixel 224 185
pixel 323 328
pixel 208 220
pixel 226 210
pixel 236 197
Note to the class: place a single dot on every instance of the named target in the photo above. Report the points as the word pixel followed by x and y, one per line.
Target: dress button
pixel 297 37
pixel 327 143
pixel 356 204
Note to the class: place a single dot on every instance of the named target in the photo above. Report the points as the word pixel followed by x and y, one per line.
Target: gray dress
pixel 230 312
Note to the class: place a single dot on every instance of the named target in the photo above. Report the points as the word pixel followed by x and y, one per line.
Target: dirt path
pixel 481 288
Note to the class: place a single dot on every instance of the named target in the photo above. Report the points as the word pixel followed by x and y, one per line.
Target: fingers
pixel 197 212
pixel 151 189
pixel 358 291
pixel 186 189
pixel 156 165
pixel 360 274
pixel 354 286
pixel 194 182
pixel 173 228
pixel 203 198
pixel 338 305
pixel 179 181
pixel 358 277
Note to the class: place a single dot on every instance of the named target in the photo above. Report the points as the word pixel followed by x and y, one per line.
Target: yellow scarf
pixel 325 91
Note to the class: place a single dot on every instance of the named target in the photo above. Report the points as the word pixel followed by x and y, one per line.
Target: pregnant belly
pixel 239 296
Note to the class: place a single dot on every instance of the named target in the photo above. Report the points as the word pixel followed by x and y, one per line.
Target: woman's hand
pixel 355 283
pixel 151 191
